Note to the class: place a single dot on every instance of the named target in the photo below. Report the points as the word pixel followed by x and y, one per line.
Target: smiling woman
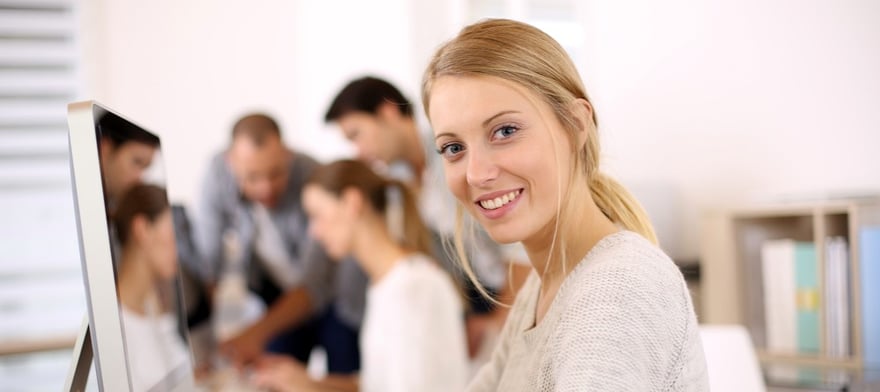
pixel 604 309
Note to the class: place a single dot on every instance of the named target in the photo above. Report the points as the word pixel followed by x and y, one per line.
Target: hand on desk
pixel 244 348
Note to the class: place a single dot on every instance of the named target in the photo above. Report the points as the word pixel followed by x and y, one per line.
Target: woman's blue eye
pixel 505 132
pixel 450 150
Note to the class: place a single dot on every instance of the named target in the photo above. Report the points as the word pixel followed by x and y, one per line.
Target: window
pixel 558 18
pixel 42 301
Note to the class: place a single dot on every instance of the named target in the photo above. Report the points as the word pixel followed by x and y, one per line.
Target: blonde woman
pixel 604 308
pixel 413 333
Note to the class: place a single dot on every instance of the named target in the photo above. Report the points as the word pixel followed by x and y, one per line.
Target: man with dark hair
pixel 125 153
pixel 252 192
pixel 379 120
pixel 366 95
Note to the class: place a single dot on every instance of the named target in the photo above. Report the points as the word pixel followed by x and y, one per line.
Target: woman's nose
pixel 481 169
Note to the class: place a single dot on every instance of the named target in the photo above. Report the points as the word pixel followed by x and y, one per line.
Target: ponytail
pixel 404 221
pixel 619 205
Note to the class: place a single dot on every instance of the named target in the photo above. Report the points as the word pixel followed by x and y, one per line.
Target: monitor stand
pixel 78 374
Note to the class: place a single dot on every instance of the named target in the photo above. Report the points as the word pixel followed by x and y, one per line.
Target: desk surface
pixel 228 380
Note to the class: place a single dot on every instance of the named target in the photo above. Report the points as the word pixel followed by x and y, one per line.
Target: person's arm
pixel 211 220
pixel 337 383
pixel 294 307
pixel 290 309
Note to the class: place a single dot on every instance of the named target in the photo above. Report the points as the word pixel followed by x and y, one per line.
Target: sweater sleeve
pixel 623 331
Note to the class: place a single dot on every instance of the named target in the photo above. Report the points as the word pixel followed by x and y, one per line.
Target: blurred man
pixel 252 190
pixel 125 152
pixel 379 120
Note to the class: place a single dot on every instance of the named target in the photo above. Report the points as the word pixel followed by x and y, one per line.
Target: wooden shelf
pixel 795 209
pixel 26 346
pixel 731 291
pixel 807 360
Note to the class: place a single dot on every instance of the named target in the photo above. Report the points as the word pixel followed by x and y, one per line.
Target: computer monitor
pixel 130 271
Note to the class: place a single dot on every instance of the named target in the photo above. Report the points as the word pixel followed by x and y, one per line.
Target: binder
pixel 869 249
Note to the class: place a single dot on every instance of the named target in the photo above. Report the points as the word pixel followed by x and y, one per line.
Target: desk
pixel 786 378
pixel 227 380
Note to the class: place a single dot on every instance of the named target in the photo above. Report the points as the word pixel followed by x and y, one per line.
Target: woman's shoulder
pixel 628 301
pixel 624 284
pixel 419 273
pixel 416 290
pixel 627 268
pixel 628 256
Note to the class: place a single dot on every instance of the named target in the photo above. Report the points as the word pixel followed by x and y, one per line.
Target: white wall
pixel 188 70
pixel 738 100
pixel 701 104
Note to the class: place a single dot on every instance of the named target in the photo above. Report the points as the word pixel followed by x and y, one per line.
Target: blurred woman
pixel 147 267
pixel 413 333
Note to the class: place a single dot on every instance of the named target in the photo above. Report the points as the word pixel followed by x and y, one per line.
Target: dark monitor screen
pixel 129 255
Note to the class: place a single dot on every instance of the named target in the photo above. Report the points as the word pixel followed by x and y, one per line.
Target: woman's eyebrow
pixel 485 123
pixel 499 114
pixel 450 134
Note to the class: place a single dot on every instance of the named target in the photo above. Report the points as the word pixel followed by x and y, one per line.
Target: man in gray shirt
pixel 252 193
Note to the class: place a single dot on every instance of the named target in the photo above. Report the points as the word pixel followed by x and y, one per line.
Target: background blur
pixel 701 105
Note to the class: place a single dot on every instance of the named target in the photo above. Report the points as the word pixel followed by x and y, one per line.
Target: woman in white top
pixel 146 268
pixel 412 338
pixel 604 308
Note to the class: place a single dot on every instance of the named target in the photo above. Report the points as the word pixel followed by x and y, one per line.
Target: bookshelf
pixel 731 271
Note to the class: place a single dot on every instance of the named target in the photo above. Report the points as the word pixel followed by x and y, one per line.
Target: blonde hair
pixel 522 54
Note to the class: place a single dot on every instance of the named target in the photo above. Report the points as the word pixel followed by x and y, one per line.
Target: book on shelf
pixel 869 251
pixel 808 297
pixel 837 298
pixel 791 296
pixel 777 263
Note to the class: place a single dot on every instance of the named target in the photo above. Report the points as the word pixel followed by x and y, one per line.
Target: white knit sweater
pixel 621 321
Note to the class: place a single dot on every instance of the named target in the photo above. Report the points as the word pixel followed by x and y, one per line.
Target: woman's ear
pixel 388 111
pixel 582 112
pixel 106 149
pixel 352 201
pixel 140 228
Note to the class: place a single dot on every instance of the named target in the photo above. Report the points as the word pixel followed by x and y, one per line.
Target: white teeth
pixel 498 202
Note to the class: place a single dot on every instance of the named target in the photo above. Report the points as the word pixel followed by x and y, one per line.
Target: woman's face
pixel 162 248
pixel 506 155
pixel 330 222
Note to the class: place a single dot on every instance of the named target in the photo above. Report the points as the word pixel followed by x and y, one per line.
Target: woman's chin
pixel 503 236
